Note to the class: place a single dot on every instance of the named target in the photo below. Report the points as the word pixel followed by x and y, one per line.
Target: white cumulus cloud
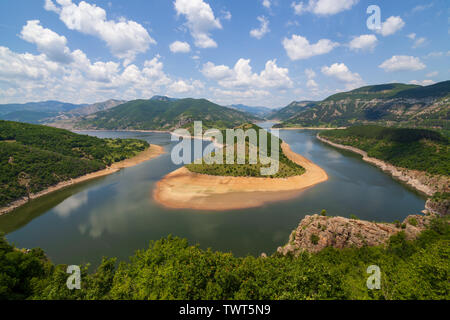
pixel 48 42
pixel 179 46
pixel 298 47
pixel 391 26
pixel 363 42
pixel 242 76
pixel 342 73
pixel 263 29
pixel 323 7
pixel 402 63
pixel 200 21
pixel 125 38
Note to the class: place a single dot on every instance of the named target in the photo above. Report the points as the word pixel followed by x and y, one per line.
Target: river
pixel 115 215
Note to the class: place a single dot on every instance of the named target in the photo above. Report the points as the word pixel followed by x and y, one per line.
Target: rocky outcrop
pixel 437 207
pixel 317 232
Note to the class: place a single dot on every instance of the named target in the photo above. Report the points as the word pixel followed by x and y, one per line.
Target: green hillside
pixel 413 149
pixel 287 168
pixel 388 105
pixel 33 157
pixel 165 115
pixel 171 269
pixel 291 110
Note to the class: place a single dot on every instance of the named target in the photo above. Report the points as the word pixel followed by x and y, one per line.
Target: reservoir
pixel 115 215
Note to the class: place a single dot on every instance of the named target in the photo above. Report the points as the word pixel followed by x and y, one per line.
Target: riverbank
pixel 183 189
pixel 310 128
pixel 419 180
pixel 150 153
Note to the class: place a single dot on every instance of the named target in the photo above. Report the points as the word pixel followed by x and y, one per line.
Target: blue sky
pixel 255 52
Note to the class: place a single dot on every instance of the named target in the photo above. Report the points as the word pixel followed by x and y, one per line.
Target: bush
pixel 314 239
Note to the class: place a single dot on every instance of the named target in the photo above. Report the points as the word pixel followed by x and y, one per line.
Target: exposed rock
pixel 316 232
pixel 441 208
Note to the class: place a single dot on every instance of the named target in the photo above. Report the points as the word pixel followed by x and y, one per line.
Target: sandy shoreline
pixel 183 189
pixel 407 176
pixel 152 152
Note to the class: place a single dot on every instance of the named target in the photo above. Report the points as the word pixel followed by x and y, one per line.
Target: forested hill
pixel 414 149
pixel 34 157
pixel 165 114
pixel 387 104
pixel 291 110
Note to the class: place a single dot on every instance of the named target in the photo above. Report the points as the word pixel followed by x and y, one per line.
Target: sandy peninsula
pixel 183 189
pixel 152 152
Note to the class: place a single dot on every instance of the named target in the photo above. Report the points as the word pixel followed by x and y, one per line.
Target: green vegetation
pixel 314 239
pixel 287 168
pixel 166 114
pixel 33 157
pixel 291 110
pixel 414 149
pixel 396 105
pixel 171 269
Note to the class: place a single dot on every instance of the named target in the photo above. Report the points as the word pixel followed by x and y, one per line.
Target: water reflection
pixel 115 215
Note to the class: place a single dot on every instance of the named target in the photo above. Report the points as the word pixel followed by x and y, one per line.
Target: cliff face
pixel 316 232
pixel 441 208
pixel 427 111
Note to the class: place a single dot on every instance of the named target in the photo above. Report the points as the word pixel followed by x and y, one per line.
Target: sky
pixel 254 52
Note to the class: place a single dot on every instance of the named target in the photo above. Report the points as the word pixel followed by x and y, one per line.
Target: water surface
pixel 115 215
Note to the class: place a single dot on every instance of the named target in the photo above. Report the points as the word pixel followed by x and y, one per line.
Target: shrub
pixel 314 239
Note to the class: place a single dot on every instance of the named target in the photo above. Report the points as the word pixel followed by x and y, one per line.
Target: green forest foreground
pixel 34 157
pixel 171 269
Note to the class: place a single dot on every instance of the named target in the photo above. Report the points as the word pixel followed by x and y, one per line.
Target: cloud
pixel 391 26
pixel 182 86
pixel 342 73
pixel 200 21
pixel 402 63
pixel 363 42
pixel 432 74
pixel 263 29
pixel 310 74
pixel 50 6
pixel 323 7
pixel 421 8
pixel 26 77
pixel 311 84
pixel 125 38
pixel 242 76
pixel 298 47
pixel 267 4
pixel 178 46
pixel 417 41
pixel 423 82
pixel 48 42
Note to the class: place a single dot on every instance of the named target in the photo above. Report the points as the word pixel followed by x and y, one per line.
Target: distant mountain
pixel 291 110
pixel 257 111
pixel 387 104
pixel 160 114
pixel 35 112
